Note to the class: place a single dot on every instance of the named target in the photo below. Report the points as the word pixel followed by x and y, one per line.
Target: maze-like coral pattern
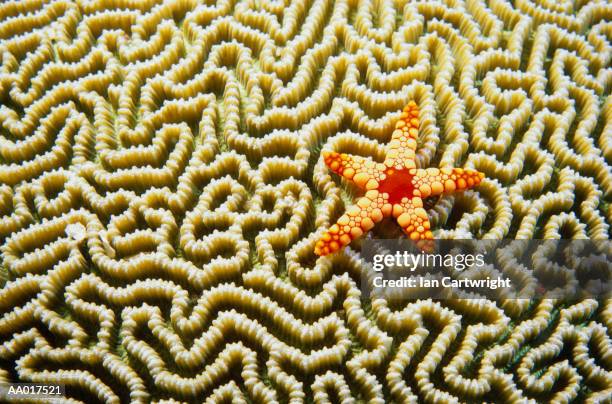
pixel 162 190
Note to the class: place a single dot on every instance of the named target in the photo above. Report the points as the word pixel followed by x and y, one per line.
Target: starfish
pixel 393 188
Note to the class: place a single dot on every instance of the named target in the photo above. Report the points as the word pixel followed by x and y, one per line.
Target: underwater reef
pixel 163 187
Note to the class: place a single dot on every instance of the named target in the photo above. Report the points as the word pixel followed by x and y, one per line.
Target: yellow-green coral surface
pixel 162 189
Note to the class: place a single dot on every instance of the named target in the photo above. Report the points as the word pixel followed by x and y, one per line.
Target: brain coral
pixel 162 188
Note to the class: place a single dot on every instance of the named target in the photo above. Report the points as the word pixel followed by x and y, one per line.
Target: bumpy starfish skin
pixel 393 188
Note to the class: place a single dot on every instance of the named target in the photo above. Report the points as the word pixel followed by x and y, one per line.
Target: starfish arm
pixel 465 178
pixel 364 172
pixel 359 218
pixel 413 219
pixel 401 150
pixel 435 181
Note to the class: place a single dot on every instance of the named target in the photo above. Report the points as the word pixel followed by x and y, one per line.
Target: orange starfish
pixel 395 187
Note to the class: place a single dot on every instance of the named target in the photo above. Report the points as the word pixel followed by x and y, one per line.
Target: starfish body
pixel 393 188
